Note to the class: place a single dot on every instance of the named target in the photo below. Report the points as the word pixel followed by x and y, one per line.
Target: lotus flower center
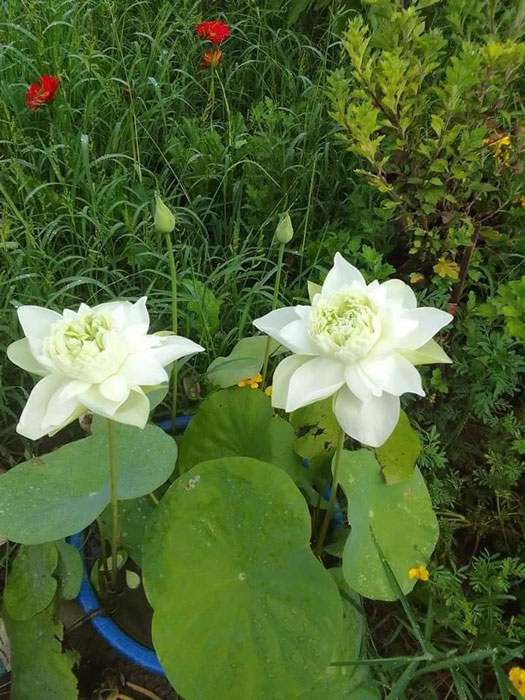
pixel 345 323
pixel 86 347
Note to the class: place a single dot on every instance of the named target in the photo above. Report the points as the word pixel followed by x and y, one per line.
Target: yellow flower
pixel 416 277
pixel 268 390
pixel 517 678
pixel 420 572
pixel 503 141
pixel 501 148
pixel 252 382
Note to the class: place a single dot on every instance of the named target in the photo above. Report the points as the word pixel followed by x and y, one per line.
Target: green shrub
pixel 434 116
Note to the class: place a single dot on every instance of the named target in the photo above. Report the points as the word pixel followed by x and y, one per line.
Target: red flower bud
pixel 215 31
pixel 42 92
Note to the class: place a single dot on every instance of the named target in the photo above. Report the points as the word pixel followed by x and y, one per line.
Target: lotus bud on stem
pixel 165 224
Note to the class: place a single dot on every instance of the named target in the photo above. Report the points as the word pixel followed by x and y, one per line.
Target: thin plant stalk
pixel 174 327
pixel 333 494
pixel 113 501
pixel 274 306
pixel 211 103
pixel 228 111
pixel 104 580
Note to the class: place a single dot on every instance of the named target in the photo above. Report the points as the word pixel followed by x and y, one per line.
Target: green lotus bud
pixel 164 218
pixel 284 230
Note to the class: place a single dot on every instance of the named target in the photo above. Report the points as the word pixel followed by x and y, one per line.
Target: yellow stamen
pixel 419 572
pixel 268 390
pixel 252 382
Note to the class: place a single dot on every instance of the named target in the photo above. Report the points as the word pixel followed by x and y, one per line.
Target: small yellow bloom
pixel 252 382
pixel 501 148
pixel 420 572
pixel 416 277
pixel 503 141
pixel 517 678
pixel 268 390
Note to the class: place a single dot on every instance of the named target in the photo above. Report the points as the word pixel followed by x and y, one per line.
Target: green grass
pixel 134 115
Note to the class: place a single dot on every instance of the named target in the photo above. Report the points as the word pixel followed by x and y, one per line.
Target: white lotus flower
pixel 95 359
pixel 359 343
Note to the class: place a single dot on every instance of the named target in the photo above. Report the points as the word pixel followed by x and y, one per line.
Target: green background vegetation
pixel 289 121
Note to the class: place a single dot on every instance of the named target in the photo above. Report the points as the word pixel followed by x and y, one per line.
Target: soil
pixel 101 668
pixel 101 672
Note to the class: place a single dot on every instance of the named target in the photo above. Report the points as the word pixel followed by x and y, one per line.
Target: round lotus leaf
pixel 60 493
pixel 396 519
pixel 238 422
pixel 346 682
pixel 242 608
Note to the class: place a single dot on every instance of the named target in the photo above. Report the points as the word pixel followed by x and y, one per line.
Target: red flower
pixel 215 30
pixel 42 92
pixel 211 59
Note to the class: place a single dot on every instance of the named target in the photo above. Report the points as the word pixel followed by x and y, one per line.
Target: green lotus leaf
pixel 56 495
pixel 245 360
pixel 398 455
pixel 242 608
pixel 338 682
pixel 317 434
pixel 134 517
pixel 31 586
pixel 397 517
pixel 69 570
pixel 238 422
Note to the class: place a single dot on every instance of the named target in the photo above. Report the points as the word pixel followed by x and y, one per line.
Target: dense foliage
pixel 392 132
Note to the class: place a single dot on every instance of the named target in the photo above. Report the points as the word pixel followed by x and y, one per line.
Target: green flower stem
pixel 211 102
pixel 333 494
pixel 114 501
pixel 228 111
pixel 104 580
pixel 174 328
pixel 274 306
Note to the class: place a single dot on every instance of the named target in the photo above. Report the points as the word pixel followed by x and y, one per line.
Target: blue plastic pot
pixel 125 645
pixel 117 639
